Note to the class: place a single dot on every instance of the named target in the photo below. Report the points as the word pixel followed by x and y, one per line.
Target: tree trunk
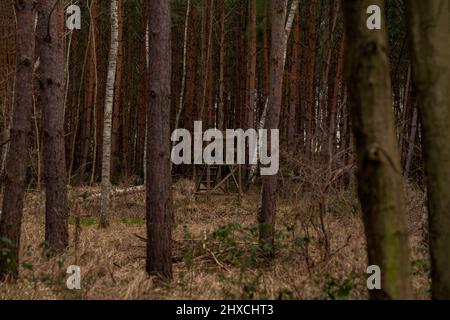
pixel 251 63
pixel 266 52
pixel 430 41
pixel 221 104
pixel 50 35
pixel 90 85
pixel 333 101
pixel 294 84
pixel 266 217
pixel 115 142
pixel 207 21
pixel 379 175
pixel 191 64
pixel 143 96
pixel 411 141
pixel 183 76
pixel 107 118
pixel 20 131
pixel 310 73
pixel 159 198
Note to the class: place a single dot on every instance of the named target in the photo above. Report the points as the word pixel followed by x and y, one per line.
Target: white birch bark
pixel 287 31
pixel 288 28
pixel 107 121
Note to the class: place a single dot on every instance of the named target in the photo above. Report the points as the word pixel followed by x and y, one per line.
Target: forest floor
pixel 215 250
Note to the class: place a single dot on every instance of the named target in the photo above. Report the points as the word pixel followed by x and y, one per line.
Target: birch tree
pixel 266 218
pixel 107 119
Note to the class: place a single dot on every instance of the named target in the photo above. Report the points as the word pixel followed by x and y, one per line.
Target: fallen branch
pixel 115 192
pixel 217 261
pixel 140 237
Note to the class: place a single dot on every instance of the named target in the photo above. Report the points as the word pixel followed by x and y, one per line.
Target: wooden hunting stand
pixel 218 180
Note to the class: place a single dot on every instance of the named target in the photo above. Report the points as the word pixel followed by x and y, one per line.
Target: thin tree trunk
pixel 183 76
pixel 293 12
pixel 266 52
pixel 159 197
pixel 92 13
pixel 310 74
pixel 51 84
pixel 221 111
pixel 115 144
pixel 143 95
pixel 77 113
pixel 191 64
pixel 206 55
pixel 107 118
pixel 333 102
pixel 411 142
pixel 17 156
pixel 430 41
pixel 379 175
pixel 294 84
pixel 251 64
pixel 266 218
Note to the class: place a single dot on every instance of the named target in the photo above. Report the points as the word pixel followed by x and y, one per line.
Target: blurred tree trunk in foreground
pixel 430 42
pixel 379 174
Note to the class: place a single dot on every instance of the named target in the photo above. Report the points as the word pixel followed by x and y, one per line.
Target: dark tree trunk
pixel 379 173
pixel 51 90
pixel 310 74
pixel 159 198
pixel 17 157
pixel 191 64
pixel 430 26
pixel 294 85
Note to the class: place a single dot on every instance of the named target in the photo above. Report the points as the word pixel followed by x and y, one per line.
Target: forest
pixel 224 149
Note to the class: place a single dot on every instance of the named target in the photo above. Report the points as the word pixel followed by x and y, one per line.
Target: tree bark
pixel 50 37
pixel 430 26
pixel 251 63
pixel 191 64
pixel 266 217
pixel 411 141
pixel 380 186
pixel 183 76
pixel 310 73
pixel 207 21
pixel 107 118
pixel 294 84
pixel 159 198
pixel 115 142
pixel 221 104
pixel 20 131
pixel 333 102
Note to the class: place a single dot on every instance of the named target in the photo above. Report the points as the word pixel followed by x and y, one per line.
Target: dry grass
pixel 215 251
